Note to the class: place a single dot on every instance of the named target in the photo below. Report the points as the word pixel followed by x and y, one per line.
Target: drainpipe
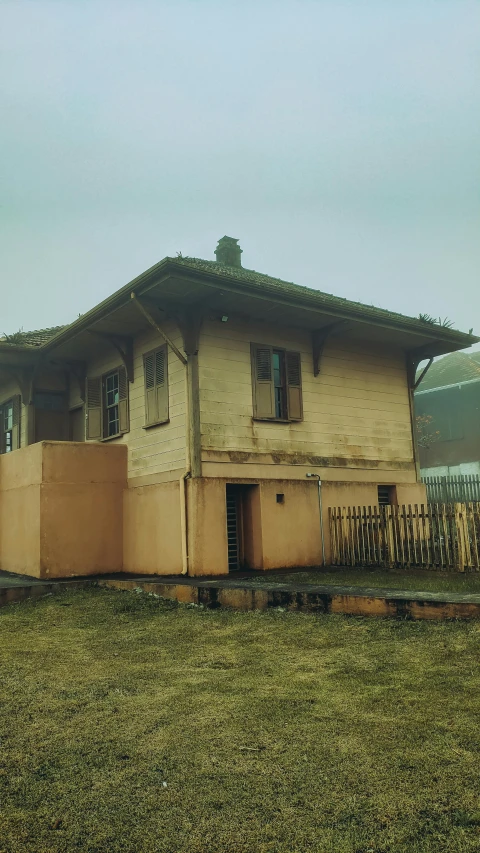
pixel 320 509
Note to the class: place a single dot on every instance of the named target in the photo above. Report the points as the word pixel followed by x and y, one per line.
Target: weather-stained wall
pixel 154 451
pixel 356 412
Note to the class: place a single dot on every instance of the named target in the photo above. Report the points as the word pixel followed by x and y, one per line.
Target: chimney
pixel 228 253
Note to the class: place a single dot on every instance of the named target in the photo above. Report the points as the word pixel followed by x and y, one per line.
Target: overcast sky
pixel 339 141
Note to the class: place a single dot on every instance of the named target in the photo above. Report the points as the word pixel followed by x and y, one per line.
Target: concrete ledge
pixel 351 601
pixel 342 600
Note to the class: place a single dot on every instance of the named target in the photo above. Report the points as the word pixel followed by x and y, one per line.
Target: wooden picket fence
pixel 454 488
pixel 434 536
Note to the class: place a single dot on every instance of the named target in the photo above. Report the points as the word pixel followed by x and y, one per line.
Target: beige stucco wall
pixel 152 529
pixel 356 412
pixel 20 484
pixel 278 536
pixel 61 509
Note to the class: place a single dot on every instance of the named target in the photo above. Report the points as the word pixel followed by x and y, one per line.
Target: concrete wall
pixel 61 510
pixel 20 484
pixel 277 535
pixel 153 529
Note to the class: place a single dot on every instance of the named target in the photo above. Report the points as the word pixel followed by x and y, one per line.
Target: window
pixel 155 368
pixel 10 425
pixel 112 399
pixel 107 405
pixel 387 495
pixel 277 384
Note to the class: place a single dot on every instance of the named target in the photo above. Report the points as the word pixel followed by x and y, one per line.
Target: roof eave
pixel 448 339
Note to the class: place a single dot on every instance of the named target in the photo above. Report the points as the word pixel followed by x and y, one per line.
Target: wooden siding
pixel 158 449
pixel 357 407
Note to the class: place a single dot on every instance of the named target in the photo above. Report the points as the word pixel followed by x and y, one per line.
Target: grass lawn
pixel 468 582
pixel 131 724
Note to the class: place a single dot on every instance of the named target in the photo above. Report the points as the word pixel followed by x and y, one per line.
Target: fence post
pixel 462 559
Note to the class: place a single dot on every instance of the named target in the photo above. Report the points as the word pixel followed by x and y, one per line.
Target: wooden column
pixel 190 323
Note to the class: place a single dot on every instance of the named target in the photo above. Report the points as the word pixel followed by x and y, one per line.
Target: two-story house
pixel 203 419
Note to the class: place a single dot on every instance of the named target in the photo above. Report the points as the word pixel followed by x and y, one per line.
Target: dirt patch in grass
pixel 128 724
pixel 423 582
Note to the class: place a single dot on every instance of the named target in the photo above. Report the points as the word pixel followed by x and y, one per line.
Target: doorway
pixel 243 516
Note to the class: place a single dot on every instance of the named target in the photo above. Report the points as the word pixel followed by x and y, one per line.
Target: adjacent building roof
pixel 32 339
pixel 452 369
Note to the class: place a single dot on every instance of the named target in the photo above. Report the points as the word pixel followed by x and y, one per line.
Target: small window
pixel 107 405
pixel 277 384
pixel 387 495
pixel 10 425
pixel 155 368
pixel 280 498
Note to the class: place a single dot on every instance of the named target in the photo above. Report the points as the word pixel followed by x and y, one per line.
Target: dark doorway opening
pixel 242 529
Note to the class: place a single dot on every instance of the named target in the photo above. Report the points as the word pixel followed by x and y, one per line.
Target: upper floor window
pixel 107 405
pixel 10 425
pixel 277 383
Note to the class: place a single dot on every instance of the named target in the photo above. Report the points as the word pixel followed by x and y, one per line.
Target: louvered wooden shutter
pixel 294 386
pixel 156 386
pixel 161 384
pixel 94 409
pixel 123 400
pixel 16 405
pixel 262 380
pixel 150 395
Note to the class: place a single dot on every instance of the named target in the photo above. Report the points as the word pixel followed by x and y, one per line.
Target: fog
pixel 338 141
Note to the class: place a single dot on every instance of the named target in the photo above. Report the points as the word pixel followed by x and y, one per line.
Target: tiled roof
pixel 32 339
pixel 289 288
pixel 450 369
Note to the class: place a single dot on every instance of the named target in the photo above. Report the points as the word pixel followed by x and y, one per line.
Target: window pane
pixel 8 416
pixel 111 384
pixel 279 383
pixel 277 374
pixel 113 422
pixel 8 442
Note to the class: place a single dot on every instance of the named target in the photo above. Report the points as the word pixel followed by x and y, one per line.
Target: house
pixel 447 403
pixel 203 419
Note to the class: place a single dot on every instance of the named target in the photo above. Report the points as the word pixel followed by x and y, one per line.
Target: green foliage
pixel 427 318
pixel 14 338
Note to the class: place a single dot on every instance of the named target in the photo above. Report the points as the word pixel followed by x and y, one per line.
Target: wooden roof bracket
pixel 414 357
pixel 319 338
pixel 124 346
pixel 25 379
pixel 77 368
pixel 159 329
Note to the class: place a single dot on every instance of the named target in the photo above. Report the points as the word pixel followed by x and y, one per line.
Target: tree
pixel 426 435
